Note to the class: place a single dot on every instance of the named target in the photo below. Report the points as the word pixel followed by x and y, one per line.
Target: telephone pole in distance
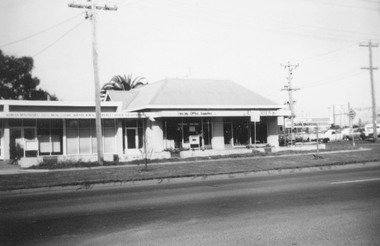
pixel 93 7
pixel 290 90
pixel 371 68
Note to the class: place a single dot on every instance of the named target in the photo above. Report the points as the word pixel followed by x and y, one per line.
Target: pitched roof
pixel 191 93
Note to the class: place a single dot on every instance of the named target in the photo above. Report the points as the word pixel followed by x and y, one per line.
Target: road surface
pixel 336 207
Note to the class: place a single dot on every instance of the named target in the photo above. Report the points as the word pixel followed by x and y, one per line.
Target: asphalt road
pixel 336 207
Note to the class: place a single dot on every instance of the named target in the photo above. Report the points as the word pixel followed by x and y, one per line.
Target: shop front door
pixel 131 138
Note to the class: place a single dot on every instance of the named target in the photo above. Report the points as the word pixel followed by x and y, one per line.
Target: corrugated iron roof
pixel 190 93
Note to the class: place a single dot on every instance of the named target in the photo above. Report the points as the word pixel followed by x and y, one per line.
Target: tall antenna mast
pixel 290 90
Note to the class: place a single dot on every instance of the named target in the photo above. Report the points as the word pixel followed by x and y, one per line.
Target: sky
pixel 240 40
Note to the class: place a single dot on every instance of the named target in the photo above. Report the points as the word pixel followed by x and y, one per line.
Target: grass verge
pixel 120 174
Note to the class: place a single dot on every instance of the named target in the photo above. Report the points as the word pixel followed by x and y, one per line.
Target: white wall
pixel 154 135
pixel 272 138
pixel 119 137
pixel 6 139
pixel 217 140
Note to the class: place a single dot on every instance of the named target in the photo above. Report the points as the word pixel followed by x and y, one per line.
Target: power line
pixel 331 81
pixel 345 5
pixel 40 32
pixel 58 39
pixel 328 53
pixel 308 31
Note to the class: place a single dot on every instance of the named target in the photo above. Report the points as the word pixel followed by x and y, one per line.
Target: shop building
pixel 197 116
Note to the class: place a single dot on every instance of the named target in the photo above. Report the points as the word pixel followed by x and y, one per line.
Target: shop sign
pixel 274 113
pixel 69 115
pixel 191 113
pixel 255 116
pixel 195 113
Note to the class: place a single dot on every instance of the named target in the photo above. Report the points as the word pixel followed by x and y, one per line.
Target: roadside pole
pixel 290 90
pixel 351 117
pixel 317 140
pixel 92 6
pixel 371 45
pixel 254 133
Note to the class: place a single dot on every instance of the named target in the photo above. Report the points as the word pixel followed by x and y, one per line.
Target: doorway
pixel 131 138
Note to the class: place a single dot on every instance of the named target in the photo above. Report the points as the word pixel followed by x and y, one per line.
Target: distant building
pixel 210 115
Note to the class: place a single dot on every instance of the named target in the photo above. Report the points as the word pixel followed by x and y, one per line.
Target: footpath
pixel 14 180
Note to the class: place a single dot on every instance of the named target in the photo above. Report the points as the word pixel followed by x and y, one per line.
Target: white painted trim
pixel 252 107
pixel 58 103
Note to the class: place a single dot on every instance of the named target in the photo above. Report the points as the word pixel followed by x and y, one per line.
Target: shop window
pixel 29 122
pixel 236 131
pixel 16 139
pixel 260 129
pixel 206 128
pixel 30 142
pixel 84 136
pixel 15 122
pixel 178 131
pixel 109 136
pixel 173 132
pixel 81 136
pixel 240 132
pixel 50 134
pixel 72 135
pixel 94 141
pixel 227 133
pixel 23 133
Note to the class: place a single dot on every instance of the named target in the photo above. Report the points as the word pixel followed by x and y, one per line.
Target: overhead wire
pixel 58 39
pixel 308 31
pixel 327 53
pixel 331 80
pixel 345 5
pixel 40 32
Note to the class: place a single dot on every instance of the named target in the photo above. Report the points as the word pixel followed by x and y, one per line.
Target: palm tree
pixel 122 83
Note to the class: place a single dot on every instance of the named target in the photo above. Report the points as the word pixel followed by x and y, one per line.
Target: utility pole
pixel 290 90
pixel 371 68
pixel 334 114
pixel 98 122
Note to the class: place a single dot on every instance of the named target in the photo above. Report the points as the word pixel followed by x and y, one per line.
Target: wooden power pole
pixel 371 68
pixel 98 122
pixel 290 90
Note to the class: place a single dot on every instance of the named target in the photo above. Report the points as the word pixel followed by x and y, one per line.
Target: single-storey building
pixel 203 116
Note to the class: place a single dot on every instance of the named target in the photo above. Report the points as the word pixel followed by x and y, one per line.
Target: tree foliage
pixel 16 80
pixel 122 83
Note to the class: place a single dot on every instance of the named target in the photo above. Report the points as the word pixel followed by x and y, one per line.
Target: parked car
pixel 326 136
pixel 313 137
pixel 368 130
pixel 302 137
pixel 356 133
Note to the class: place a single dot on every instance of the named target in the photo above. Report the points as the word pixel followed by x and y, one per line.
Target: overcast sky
pixel 241 40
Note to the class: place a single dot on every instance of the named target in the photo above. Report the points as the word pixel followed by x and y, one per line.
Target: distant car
pixel 321 137
pixel 350 133
pixel 368 131
pixel 302 137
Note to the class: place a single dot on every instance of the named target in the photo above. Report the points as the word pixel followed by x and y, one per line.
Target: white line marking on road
pixel 355 181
